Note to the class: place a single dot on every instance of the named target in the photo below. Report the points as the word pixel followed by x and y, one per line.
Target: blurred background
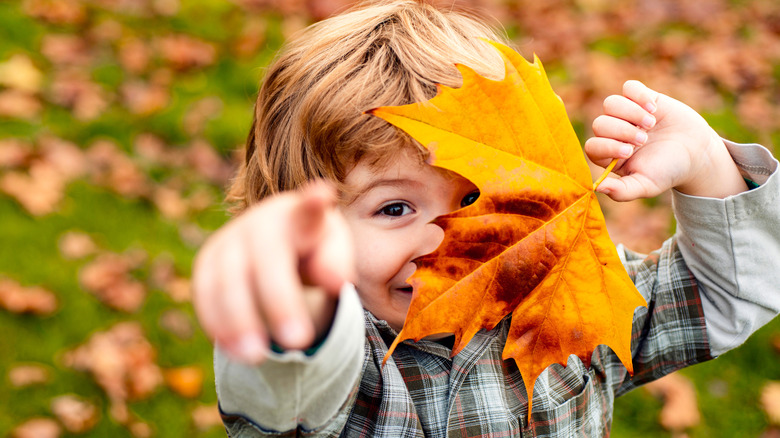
pixel 119 120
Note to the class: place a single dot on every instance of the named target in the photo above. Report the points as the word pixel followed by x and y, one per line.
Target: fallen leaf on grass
pixel 66 158
pixel 322 9
pixel 201 198
pixel 206 416
pixel 39 181
pixel 139 429
pixel 772 432
pixel 56 11
pixel 680 410
pixel 293 25
pixel 29 374
pixel 19 104
pixel 163 276
pixel 770 402
pixel 19 299
pixel 179 289
pixel 208 163
pixel 143 98
pixel 76 245
pixel 14 152
pixel 151 149
pixel 161 271
pixel 122 361
pixel 20 73
pixel 112 168
pixel 65 49
pixel 718 388
pixel 75 414
pixel 192 235
pixel 251 38
pixel 165 7
pixel 757 110
pixel 184 52
pixel 534 244
pixel 39 190
pixel 106 30
pixel 169 202
pixel 75 91
pixel 37 428
pixel 178 323
pixel 175 205
pixel 200 113
pixel 292 7
pixel 108 278
pixel 185 381
pixel 134 55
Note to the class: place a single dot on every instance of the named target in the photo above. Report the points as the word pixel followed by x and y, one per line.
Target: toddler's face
pixel 389 211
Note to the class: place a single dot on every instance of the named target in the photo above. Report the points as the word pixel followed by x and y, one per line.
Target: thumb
pixel 628 188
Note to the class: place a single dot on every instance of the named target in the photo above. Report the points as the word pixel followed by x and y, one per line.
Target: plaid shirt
pixel 424 392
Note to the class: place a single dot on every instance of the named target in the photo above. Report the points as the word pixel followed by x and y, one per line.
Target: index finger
pixel 279 291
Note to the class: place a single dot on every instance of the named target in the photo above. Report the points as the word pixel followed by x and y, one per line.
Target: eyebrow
pixel 396 182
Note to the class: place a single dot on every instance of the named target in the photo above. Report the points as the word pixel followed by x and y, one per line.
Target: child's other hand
pixel 250 277
pixel 661 143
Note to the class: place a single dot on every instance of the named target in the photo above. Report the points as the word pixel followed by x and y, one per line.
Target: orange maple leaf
pixel 534 244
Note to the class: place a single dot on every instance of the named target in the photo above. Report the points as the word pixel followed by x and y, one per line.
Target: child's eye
pixel 469 199
pixel 396 209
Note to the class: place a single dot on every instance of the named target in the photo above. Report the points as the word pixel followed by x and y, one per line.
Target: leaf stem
pixel 604 175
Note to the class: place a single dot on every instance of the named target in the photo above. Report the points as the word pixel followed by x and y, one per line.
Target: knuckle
pixel 628 132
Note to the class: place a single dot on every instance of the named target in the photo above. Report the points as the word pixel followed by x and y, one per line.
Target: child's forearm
pixel 732 247
pixel 292 389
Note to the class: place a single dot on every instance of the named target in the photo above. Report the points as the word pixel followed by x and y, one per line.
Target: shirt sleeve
pixel 732 246
pixel 292 391
pixel 713 284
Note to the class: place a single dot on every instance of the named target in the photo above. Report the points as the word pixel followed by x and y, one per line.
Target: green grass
pixel 32 258
pixel 30 255
pixel 728 390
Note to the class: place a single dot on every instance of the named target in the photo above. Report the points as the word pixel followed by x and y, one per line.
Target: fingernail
pixel 651 107
pixel 603 190
pixel 625 151
pixel 641 137
pixel 648 121
pixel 252 347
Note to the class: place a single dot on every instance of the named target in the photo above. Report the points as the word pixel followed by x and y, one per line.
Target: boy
pixel 252 278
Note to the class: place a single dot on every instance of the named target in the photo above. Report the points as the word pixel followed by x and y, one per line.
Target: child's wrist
pixel 718 177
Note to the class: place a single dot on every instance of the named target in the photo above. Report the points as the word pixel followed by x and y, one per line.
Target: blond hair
pixel 309 122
